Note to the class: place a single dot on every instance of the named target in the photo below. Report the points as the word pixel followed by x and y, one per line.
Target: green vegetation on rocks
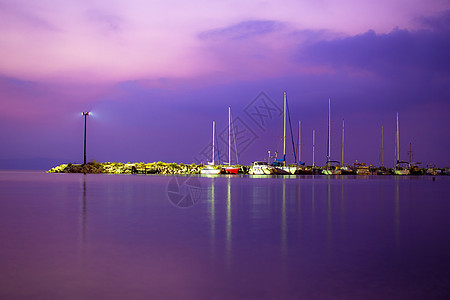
pixel 128 168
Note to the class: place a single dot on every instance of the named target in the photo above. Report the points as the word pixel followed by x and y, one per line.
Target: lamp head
pixel 86 113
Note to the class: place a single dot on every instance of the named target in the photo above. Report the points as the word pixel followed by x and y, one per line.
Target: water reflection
pixel 299 209
pixel 328 214
pixel 329 224
pixel 342 208
pixel 283 224
pixel 397 213
pixel 313 204
pixel 139 244
pixel 213 215
pixel 228 251
pixel 83 212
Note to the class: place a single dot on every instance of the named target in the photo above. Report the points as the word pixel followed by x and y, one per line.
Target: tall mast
pixel 342 161
pixel 395 147
pixel 382 147
pixel 410 152
pixel 229 135
pixel 213 145
pixel 329 132
pixel 398 142
pixel 314 143
pixel 284 130
pixel 299 141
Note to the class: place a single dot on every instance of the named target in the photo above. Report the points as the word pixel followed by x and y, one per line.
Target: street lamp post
pixel 85 114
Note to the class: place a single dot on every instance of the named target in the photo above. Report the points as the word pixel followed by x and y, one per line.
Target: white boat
pixel 399 169
pixel 332 167
pixel 284 170
pixel 210 169
pixel 279 165
pixel 402 168
pixel 327 172
pixel 261 168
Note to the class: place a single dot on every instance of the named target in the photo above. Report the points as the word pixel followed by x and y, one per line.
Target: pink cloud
pixel 118 41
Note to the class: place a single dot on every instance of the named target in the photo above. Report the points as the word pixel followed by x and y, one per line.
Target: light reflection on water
pixel 108 236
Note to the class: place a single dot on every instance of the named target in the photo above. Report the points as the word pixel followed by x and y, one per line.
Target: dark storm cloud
pixel 397 53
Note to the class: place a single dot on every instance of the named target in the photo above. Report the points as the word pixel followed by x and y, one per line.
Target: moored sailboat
pixel 279 165
pixel 229 169
pixel 301 169
pixel 332 167
pixel 402 167
pixel 261 168
pixel 361 169
pixel 210 168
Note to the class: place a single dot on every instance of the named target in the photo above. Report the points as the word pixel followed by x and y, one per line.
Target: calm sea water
pixel 75 236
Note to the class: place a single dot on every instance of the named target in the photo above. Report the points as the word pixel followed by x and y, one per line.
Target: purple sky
pixel 156 74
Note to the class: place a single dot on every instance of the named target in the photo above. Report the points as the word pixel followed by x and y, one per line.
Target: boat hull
pixel 363 171
pixel 303 172
pixel 230 170
pixel 401 171
pixel 282 171
pixel 348 172
pixel 210 171
pixel 260 171
pixel 331 172
pixel 261 168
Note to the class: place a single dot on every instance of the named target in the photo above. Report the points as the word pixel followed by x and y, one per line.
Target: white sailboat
pixel 210 168
pixel 261 168
pixel 329 168
pixel 280 164
pixel 399 169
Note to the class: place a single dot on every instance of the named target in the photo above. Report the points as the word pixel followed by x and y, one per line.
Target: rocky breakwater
pixel 128 168
pixel 78 168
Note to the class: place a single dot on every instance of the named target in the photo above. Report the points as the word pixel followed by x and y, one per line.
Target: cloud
pixel 243 30
pixel 255 49
pixel 440 22
pixel 393 54
pixel 33 102
pixel 106 22
pixel 13 16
